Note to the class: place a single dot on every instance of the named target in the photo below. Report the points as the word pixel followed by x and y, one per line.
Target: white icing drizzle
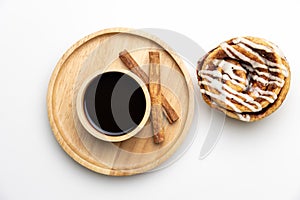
pixel 226 101
pixel 217 74
pixel 238 55
pixel 252 44
pixel 276 49
pixel 226 91
pixel 282 68
pixel 251 51
pixel 228 68
pixel 213 78
pixel 273 79
pixel 224 63
pixel 245 118
pixel 264 94
pixel 223 46
pixel 259 65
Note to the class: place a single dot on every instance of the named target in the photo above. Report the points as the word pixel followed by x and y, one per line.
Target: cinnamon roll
pixel 247 78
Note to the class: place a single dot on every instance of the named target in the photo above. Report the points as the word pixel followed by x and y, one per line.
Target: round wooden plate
pixel 99 51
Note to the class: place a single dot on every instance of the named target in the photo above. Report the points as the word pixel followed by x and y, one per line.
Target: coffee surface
pixel 114 103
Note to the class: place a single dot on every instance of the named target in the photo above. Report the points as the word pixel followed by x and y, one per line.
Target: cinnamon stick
pixel 131 64
pixel 155 94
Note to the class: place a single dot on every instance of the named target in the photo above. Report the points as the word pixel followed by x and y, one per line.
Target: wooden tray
pixel 99 51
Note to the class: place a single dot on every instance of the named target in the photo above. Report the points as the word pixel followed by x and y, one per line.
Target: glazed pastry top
pixel 243 75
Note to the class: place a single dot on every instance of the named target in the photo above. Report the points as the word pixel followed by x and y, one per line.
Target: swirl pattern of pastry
pixel 247 78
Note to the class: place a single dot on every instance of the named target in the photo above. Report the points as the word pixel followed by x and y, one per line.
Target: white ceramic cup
pixel 87 123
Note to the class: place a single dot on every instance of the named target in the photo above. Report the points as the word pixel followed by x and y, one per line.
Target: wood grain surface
pixel 100 51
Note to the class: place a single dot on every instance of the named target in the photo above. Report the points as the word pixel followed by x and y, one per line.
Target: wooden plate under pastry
pixel 100 51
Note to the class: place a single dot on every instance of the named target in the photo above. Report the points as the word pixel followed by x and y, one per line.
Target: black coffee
pixel 114 103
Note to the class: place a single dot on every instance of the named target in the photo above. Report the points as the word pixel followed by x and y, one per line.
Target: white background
pixel 251 161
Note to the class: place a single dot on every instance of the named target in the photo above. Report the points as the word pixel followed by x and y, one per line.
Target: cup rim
pixel 84 120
